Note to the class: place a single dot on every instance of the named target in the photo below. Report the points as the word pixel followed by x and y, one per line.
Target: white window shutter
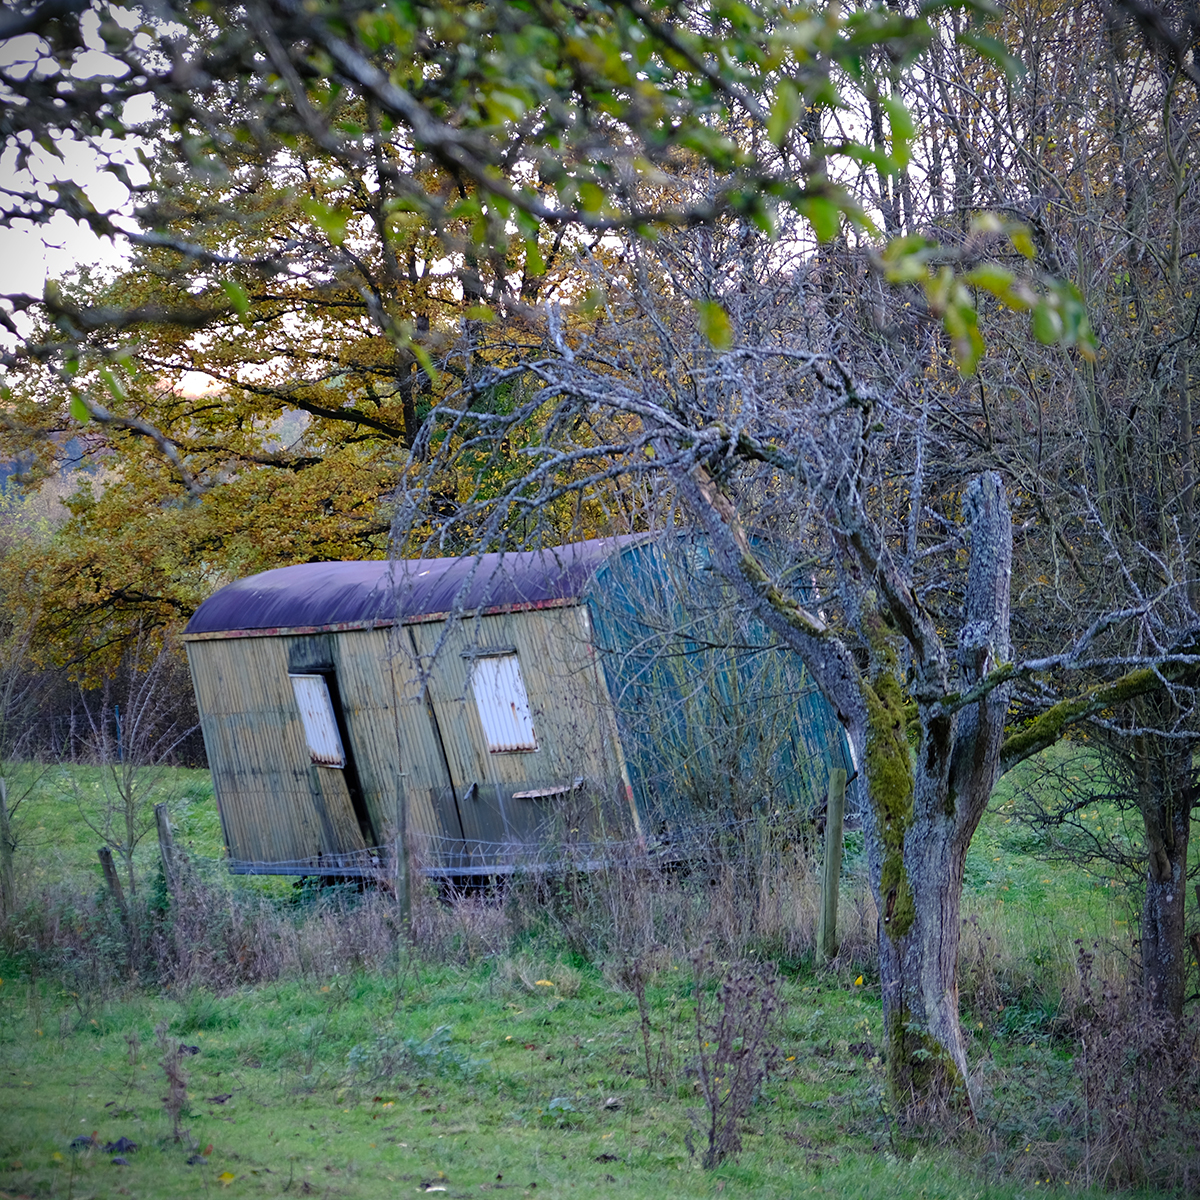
pixel 320 722
pixel 502 704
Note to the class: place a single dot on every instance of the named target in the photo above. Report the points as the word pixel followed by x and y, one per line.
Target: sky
pixel 30 254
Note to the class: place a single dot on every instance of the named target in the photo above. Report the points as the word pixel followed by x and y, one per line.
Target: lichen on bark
pixel 890 782
pixel 1049 726
pixel 920 1065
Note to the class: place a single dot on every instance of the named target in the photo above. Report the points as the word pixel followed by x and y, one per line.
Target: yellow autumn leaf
pixel 715 324
pixel 226 1178
pixel 544 982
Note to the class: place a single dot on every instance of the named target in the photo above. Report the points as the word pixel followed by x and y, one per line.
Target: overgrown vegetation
pixel 565 1033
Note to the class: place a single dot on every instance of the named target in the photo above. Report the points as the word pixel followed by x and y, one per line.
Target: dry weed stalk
pixel 735 1046
pixel 1141 1085
pixel 631 974
pixel 176 1100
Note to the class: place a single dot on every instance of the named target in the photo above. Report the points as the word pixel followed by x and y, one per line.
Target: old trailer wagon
pixel 503 709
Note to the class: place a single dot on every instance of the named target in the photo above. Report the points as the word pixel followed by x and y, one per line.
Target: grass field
pixel 466 1079
pixel 513 1065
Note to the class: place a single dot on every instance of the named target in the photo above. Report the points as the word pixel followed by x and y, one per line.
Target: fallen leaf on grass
pixel 226 1178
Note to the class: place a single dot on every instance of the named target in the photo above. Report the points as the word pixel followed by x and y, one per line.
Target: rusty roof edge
pixel 379 622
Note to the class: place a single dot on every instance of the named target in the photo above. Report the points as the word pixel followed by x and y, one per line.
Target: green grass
pixel 54 841
pixel 460 1078
pixel 478 1078
pixel 1039 909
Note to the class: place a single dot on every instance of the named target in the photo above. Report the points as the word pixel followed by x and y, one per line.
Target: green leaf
pixel 535 264
pixel 331 220
pixel 938 291
pixel 902 130
pixel 594 299
pixel 79 410
pixel 885 164
pixel 715 324
pixel 506 105
pixel 962 324
pixel 991 277
pixel 591 197
pixel 422 356
pixel 785 111
pixel 995 50
pixel 987 222
pixel 112 383
pixel 1047 323
pixel 237 297
pixel 1022 240
pixel 823 215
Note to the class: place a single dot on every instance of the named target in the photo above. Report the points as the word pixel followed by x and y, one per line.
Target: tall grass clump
pixel 212 932
pixel 1140 1070
pixel 752 894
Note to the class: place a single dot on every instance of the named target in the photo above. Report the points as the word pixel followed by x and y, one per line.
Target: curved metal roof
pixel 324 594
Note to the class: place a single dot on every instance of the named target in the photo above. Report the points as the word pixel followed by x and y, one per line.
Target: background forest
pixel 895 305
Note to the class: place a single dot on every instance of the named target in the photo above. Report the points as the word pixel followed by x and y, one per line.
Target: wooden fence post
pixel 113 880
pixel 166 847
pixel 8 883
pixel 403 883
pixel 827 943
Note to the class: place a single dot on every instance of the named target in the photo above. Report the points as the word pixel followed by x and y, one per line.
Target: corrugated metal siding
pixel 431 807
pixel 502 704
pixel 713 715
pixel 360 666
pixel 275 805
pixel 320 723
pixel 570 714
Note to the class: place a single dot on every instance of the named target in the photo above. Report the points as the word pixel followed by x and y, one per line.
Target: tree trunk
pixel 922 809
pixel 926 1054
pixel 918 849
pixel 1166 811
